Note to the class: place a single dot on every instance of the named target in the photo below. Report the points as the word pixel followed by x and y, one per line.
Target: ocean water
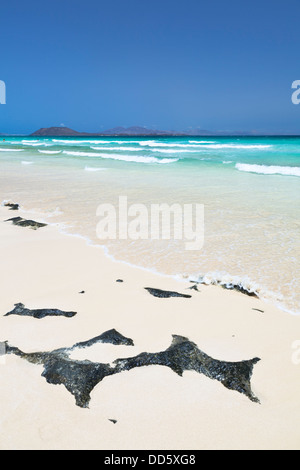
pixel 249 187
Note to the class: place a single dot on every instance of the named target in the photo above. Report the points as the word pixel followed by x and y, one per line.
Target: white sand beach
pixel 154 408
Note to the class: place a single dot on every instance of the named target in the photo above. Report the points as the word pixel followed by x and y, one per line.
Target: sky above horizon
pixel 168 64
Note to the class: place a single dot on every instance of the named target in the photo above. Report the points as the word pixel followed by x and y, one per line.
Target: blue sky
pixel 92 65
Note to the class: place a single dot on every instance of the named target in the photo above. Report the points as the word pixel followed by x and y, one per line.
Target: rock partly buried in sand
pixel 184 355
pixel 194 287
pixel 110 336
pixel 240 288
pixel 165 294
pixel 229 285
pixel 26 223
pixel 12 206
pixel 20 309
pixel 80 377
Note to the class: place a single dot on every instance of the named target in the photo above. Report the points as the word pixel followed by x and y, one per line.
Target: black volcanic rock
pixel 184 355
pixel 231 286
pixel 110 336
pixel 26 223
pixel 240 289
pixel 80 377
pixel 165 294
pixel 21 310
pixel 12 206
pixel 194 287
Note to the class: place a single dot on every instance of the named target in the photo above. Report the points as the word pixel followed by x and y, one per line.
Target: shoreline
pixel 154 408
pixel 233 283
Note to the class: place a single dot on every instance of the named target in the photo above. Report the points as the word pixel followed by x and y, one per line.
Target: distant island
pixel 132 131
pixel 123 131
pixel 143 131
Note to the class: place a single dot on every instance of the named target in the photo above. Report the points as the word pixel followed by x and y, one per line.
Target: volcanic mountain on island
pixel 116 131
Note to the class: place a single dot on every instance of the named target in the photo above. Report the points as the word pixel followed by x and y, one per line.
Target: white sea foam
pixel 54 213
pixel 50 152
pixel 11 150
pixel 145 142
pixel 139 149
pixel 88 168
pixel 162 150
pixel 33 144
pixel 234 146
pixel 202 141
pixel 127 158
pixel 162 144
pixel 269 169
pixel 203 145
pixel 229 281
pixel 81 154
pixel 117 141
pixel 130 149
pixel 25 162
pixel 61 141
pixel 226 162
pixel 86 141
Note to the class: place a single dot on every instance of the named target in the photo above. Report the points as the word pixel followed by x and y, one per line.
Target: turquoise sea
pixel 249 186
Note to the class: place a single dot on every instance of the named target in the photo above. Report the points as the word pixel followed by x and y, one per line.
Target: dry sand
pixel 155 408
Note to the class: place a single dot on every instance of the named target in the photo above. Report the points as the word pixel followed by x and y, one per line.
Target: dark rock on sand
pixel 113 420
pixel 12 206
pixel 194 287
pixel 20 309
pixel 230 286
pixel 26 223
pixel 110 336
pixel 119 280
pixel 184 355
pixel 240 288
pixel 80 377
pixel 258 310
pixel 82 292
pixel 164 294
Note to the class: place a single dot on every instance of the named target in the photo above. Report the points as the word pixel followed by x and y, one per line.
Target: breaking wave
pixel 243 284
pixel 269 169
pixel 11 150
pixel 126 158
pixel 88 168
